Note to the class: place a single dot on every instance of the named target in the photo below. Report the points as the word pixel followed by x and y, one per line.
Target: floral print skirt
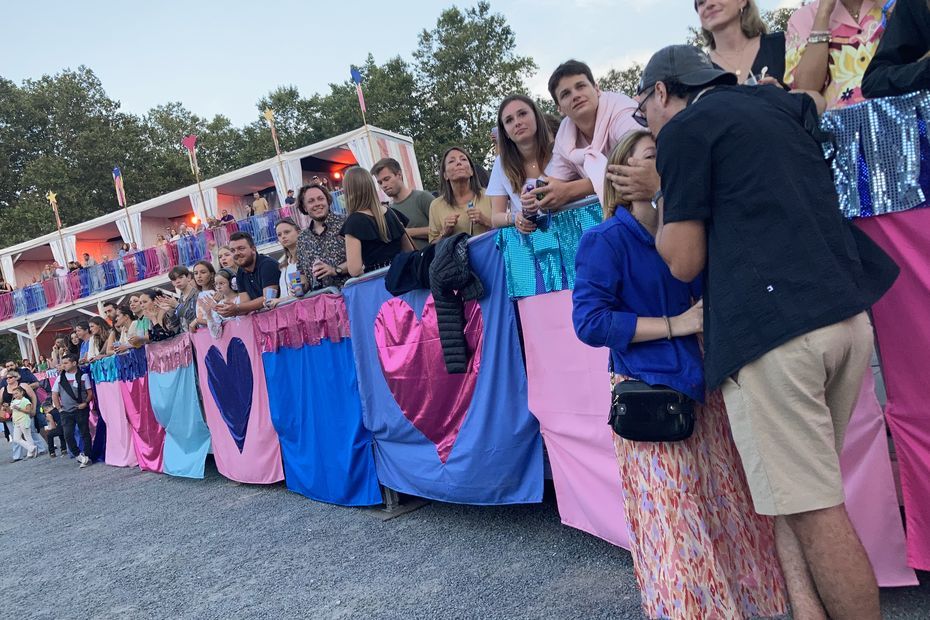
pixel 699 549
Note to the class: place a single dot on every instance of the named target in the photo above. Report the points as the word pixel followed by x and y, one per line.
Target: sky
pixel 221 57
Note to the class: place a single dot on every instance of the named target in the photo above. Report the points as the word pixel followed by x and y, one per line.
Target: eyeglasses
pixel 640 114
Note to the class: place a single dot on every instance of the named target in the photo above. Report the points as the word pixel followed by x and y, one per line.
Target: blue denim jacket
pixel 620 277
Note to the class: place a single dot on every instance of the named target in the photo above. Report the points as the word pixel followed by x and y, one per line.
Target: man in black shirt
pixel 257 280
pixel 747 193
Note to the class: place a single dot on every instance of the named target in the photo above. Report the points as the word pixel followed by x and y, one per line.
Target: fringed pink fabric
pixel 305 322
pixel 169 355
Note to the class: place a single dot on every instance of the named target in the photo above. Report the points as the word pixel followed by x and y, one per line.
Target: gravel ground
pixel 122 543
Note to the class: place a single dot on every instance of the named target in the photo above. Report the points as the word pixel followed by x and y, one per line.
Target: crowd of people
pixel 749 304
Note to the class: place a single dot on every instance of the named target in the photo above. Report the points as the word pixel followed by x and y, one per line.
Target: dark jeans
pixel 50 435
pixel 81 417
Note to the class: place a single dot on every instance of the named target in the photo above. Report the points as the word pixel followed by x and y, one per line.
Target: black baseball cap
pixel 683 63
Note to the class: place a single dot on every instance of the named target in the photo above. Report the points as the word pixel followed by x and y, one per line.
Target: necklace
pixel 739 58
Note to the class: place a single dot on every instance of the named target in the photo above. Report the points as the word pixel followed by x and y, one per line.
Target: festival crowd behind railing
pixel 145 263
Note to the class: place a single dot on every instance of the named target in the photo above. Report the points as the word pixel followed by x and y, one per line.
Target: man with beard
pixel 413 203
pixel 256 280
pixel 321 250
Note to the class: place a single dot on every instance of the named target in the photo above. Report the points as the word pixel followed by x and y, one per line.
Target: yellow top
pixel 439 209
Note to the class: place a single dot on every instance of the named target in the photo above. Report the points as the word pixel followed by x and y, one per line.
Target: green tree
pixel 623 81
pixel 59 132
pixel 464 67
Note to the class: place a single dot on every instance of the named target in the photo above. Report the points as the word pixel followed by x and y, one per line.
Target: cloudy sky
pixel 221 57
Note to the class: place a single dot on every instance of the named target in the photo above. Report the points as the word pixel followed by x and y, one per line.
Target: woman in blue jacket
pixel 699 549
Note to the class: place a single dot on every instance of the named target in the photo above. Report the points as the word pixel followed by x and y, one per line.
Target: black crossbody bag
pixel 643 412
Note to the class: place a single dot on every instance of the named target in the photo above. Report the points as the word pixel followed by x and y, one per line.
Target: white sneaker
pixel 34 452
pixel 83 460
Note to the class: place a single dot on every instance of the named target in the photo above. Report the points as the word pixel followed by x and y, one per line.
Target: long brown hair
pixel 445 186
pixel 361 194
pixel 101 338
pixel 511 159
pixel 750 22
pixel 620 156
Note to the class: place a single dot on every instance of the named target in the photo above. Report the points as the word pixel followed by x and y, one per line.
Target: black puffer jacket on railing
pixel 453 283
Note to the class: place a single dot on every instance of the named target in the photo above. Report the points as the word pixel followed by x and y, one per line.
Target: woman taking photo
pixel 699 550
pixel 739 41
pixel 122 330
pixel 204 279
pixel 525 146
pixel 462 206
pixel 374 233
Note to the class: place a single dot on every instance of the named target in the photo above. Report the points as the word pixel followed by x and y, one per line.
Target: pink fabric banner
pixel 235 400
pixel 903 332
pixel 569 394
pixel 871 498
pixel 120 450
pixel 305 322
pixel 148 437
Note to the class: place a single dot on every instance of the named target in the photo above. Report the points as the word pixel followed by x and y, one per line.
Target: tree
pixel 464 67
pixel 623 81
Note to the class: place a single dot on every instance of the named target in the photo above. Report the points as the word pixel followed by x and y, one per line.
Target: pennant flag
pixel 52 198
pixel 118 184
pixel 269 116
pixel 357 78
pixel 190 143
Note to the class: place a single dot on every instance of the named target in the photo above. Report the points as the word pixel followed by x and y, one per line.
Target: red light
pixel 337 175
pixel 195 220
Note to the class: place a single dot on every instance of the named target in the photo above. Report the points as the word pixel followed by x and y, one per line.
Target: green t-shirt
pixel 20 418
pixel 416 209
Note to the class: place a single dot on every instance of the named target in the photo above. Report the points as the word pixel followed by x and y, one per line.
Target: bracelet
pixel 820 37
pixel 668 326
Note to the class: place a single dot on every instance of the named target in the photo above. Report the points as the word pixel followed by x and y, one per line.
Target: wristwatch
pixel 656 198
pixel 338 270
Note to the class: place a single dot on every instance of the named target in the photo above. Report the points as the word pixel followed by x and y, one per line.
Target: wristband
pixel 819 37
pixel 668 326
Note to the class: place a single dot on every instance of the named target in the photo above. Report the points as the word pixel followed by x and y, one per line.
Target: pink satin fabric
pixel 120 449
pixel 169 355
pixel 903 330
pixel 569 393
pixel 148 436
pixel 410 353
pixel 260 459
pixel 871 499
pixel 305 322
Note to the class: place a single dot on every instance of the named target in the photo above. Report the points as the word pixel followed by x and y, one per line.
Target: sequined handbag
pixel 643 412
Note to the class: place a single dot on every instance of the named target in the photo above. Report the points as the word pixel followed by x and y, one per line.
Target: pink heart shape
pixel 410 352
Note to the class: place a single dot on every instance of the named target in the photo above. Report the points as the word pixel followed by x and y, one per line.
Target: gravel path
pixel 123 543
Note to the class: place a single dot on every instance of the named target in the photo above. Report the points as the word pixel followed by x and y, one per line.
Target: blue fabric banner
pixel 458 438
pixel 316 411
pixel 176 404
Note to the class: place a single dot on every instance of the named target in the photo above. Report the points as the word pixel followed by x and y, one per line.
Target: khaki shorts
pixel 788 411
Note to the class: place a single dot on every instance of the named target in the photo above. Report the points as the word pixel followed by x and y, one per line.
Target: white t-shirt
pixel 499 185
pixel 284 286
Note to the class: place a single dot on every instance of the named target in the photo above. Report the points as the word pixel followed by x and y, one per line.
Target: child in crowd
pixel 22 412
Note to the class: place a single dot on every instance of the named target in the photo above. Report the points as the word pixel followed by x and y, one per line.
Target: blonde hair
pixel 620 156
pixel 750 22
pixel 361 194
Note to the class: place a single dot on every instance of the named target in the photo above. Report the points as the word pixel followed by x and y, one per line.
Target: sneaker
pixel 34 452
pixel 51 455
pixel 83 460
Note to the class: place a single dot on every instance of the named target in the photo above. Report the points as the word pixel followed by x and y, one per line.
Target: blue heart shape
pixel 230 382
